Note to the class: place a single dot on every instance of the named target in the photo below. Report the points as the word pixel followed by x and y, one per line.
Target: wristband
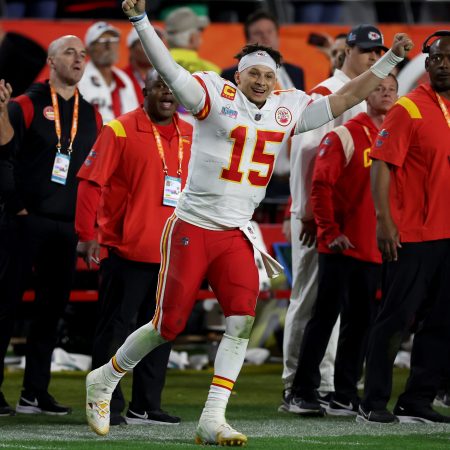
pixel 137 18
pixel 383 67
pixel 141 22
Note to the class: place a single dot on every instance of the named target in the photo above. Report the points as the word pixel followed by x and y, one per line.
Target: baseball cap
pixel 184 19
pixel 96 30
pixel 366 36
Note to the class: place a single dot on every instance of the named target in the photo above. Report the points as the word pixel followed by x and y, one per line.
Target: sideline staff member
pixel 411 163
pixel 49 131
pixel 131 180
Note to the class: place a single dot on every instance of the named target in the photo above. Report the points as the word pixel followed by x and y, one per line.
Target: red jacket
pixel 122 180
pixel 341 198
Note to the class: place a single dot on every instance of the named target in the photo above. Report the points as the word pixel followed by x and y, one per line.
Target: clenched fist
pixel 133 8
pixel 402 44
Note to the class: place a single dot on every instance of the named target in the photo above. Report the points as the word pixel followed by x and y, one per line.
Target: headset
pixel 426 45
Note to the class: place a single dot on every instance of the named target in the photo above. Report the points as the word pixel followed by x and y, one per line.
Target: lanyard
pixel 161 148
pixel 366 130
pixel 74 128
pixel 443 108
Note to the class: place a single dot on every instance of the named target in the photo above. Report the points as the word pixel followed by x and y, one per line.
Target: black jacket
pixel 33 149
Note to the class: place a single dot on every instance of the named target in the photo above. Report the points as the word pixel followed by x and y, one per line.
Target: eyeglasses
pixel 107 40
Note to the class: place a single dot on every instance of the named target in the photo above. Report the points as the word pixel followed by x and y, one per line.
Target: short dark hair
pixel 251 48
pixel 340 36
pixel 257 15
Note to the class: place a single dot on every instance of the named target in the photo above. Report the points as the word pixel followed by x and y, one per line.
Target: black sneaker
pixel 375 416
pixel 442 399
pixel 324 398
pixel 5 409
pixel 422 414
pixel 156 417
pixel 337 408
pixel 116 419
pixel 303 407
pixel 41 404
pixel 285 400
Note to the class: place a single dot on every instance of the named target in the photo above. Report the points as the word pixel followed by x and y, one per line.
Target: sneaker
pixel 216 433
pixel 5 409
pixel 156 417
pixel 41 404
pixel 422 414
pixel 285 400
pixel 304 407
pixel 442 399
pixel 116 420
pixel 324 398
pixel 375 416
pixel 336 408
pixel 98 398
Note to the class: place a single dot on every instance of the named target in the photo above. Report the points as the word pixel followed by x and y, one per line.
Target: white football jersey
pixel 234 148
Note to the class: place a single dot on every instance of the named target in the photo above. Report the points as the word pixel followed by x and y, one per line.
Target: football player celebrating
pixel 239 133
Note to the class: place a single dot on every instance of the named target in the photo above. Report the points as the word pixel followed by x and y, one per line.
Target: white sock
pixel 229 360
pixel 137 345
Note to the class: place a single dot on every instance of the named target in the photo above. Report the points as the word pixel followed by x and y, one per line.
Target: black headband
pixel 426 45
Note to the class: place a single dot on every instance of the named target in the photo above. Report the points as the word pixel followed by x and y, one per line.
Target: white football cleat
pixel 216 433
pixel 98 398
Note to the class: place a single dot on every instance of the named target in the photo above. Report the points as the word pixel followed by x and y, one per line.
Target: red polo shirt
pixel 126 164
pixel 340 193
pixel 415 141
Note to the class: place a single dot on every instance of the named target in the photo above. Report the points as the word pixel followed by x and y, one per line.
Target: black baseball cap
pixel 366 36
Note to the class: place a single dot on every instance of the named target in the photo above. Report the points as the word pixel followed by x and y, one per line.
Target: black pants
pixel 347 286
pixel 48 246
pixel 417 286
pixel 12 250
pixel 127 294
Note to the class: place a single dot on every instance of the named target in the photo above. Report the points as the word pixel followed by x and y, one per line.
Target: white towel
pixel 272 266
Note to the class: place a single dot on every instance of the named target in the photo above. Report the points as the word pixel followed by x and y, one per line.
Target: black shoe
pixel 324 398
pixel 442 399
pixel 41 404
pixel 156 417
pixel 340 408
pixel 375 416
pixel 285 400
pixel 5 409
pixel 117 419
pixel 305 407
pixel 419 414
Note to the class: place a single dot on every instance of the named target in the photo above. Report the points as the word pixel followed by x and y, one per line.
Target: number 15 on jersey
pixel 233 172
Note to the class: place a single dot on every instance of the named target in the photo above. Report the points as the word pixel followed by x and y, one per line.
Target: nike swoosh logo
pixel 33 403
pixel 349 406
pixel 140 416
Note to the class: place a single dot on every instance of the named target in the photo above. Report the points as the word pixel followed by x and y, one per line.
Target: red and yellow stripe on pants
pixel 162 276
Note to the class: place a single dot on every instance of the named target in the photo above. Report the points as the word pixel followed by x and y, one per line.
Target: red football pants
pixel 189 254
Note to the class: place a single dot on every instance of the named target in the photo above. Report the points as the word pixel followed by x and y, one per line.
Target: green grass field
pixel 253 410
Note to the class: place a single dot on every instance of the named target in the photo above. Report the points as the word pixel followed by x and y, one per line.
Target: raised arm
pixel 184 86
pixel 358 89
pixel 355 91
